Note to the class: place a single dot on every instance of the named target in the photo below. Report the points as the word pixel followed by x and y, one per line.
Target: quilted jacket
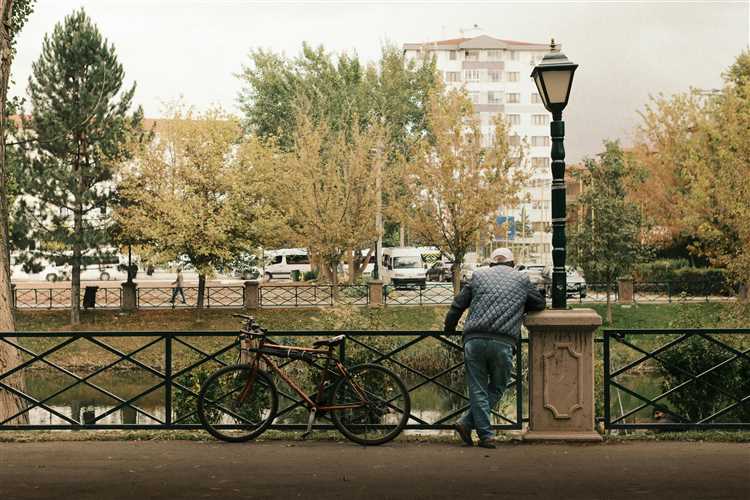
pixel 497 298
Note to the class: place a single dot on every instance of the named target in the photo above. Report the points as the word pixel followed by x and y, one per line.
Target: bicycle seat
pixel 329 342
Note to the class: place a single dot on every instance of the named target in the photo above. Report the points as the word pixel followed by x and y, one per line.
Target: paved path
pixel 177 470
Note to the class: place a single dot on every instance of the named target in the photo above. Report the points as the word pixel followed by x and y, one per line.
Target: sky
pixel 626 51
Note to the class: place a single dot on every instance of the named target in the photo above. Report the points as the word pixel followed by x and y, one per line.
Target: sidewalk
pixel 279 469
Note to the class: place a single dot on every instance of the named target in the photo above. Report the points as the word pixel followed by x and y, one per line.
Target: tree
pixel 325 189
pixel 708 152
pixel 344 93
pixel 453 183
pixel 605 242
pixel 13 15
pixel 82 125
pixel 195 193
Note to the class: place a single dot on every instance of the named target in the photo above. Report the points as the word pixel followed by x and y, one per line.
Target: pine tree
pixel 82 124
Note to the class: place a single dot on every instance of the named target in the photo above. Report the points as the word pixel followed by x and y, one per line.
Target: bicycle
pixel 367 403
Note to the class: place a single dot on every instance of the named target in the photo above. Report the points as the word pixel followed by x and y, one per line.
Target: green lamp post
pixel 553 77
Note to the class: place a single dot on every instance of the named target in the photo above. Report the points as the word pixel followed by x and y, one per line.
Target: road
pixel 330 470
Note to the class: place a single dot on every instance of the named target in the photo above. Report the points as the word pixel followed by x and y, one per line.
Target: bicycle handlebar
pixel 243 316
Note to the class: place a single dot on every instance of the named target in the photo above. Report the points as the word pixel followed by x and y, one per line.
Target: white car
pixel 403 266
pixel 282 263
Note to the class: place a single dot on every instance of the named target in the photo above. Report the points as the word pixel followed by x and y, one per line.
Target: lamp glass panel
pixel 557 82
pixel 540 87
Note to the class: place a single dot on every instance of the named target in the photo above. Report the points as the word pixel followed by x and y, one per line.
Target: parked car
pixel 281 263
pixel 536 276
pixel 440 271
pixel 576 284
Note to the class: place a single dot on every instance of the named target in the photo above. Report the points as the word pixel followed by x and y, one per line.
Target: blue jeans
pixel 488 367
pixel 175 291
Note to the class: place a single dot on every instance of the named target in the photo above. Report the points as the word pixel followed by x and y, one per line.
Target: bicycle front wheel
pixel 230 410
pixel 377 402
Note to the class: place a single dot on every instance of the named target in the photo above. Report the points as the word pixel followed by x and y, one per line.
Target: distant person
pixel 497 297
pixel 178 287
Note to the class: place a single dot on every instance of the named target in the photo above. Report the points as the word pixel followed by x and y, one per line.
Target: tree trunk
pixel 609 306
pixel 456 273
pixel 201 290
pixel 401 235
pixel 353 266
pixel 10 404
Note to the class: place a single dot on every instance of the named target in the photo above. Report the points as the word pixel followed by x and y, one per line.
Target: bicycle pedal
pixel 310 421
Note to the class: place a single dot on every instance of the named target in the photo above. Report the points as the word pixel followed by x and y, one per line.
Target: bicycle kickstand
pixel 310 421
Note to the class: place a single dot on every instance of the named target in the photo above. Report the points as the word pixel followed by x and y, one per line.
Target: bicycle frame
pixel 325 353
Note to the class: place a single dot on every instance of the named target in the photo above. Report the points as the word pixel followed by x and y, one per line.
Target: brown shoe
pixel 464 433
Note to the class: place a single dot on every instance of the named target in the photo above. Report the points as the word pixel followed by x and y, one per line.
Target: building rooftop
pixel 478 42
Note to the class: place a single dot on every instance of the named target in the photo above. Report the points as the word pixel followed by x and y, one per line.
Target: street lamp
pixel 554 77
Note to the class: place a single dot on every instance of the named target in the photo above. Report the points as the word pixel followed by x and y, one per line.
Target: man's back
pixel 497 298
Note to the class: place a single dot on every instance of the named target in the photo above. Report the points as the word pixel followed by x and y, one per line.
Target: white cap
pixel 501 255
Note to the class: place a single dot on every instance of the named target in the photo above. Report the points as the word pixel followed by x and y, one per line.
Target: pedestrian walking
pixel 497 298
pixel 177 283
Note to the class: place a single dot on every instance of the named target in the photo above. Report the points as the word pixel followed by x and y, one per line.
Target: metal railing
pixel 430 294
pixel 169 367
pixel 313 295
pixel 214 296
pixel 59 298
pixel 697 378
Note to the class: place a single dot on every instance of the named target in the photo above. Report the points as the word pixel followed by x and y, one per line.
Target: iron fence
pixel 59 298
pixel 169 367
pixel 696 379
pixel 429 294
pixel 313 295
pixel 214 296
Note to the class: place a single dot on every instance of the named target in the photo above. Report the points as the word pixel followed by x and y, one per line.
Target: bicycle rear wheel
pixel 384 411
pixel 228 417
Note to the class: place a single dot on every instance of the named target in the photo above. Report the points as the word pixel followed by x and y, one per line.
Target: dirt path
pixel 182 469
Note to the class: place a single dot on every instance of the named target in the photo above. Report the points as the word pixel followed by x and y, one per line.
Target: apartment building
pixel 495 74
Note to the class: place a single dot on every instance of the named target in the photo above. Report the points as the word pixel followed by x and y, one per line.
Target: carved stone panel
pixel 562 380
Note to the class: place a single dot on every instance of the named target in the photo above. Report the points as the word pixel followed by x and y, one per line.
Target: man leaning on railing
pixel 497 298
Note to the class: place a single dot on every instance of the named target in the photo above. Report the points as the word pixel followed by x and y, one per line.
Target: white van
pixel 403 266
pixel 281 263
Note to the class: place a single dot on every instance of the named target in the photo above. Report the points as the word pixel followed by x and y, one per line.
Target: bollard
pixel 129 296
pixel 375 291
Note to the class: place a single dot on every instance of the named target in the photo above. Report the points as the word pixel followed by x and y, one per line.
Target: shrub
pixel 705 396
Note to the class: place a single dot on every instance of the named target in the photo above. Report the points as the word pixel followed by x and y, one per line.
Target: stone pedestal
pixel 251 297
pixel 375 289
pixel 129 296
pixel 561 375
pixel 625 290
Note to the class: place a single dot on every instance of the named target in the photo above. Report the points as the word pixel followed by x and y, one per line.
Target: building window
pixel 514 140
pixel 540 140
pixel 452 76
pixel 471 55
pixel 452 55
pixel 495 75
pixel 514 119
pixel 494 55
pixel 494 97
pixel 535 98
pixel 542 162
pixel 513 55
pixel 514 98
pixel 512 76
pixel 539 119
pixel 474 97
pixel 471 75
